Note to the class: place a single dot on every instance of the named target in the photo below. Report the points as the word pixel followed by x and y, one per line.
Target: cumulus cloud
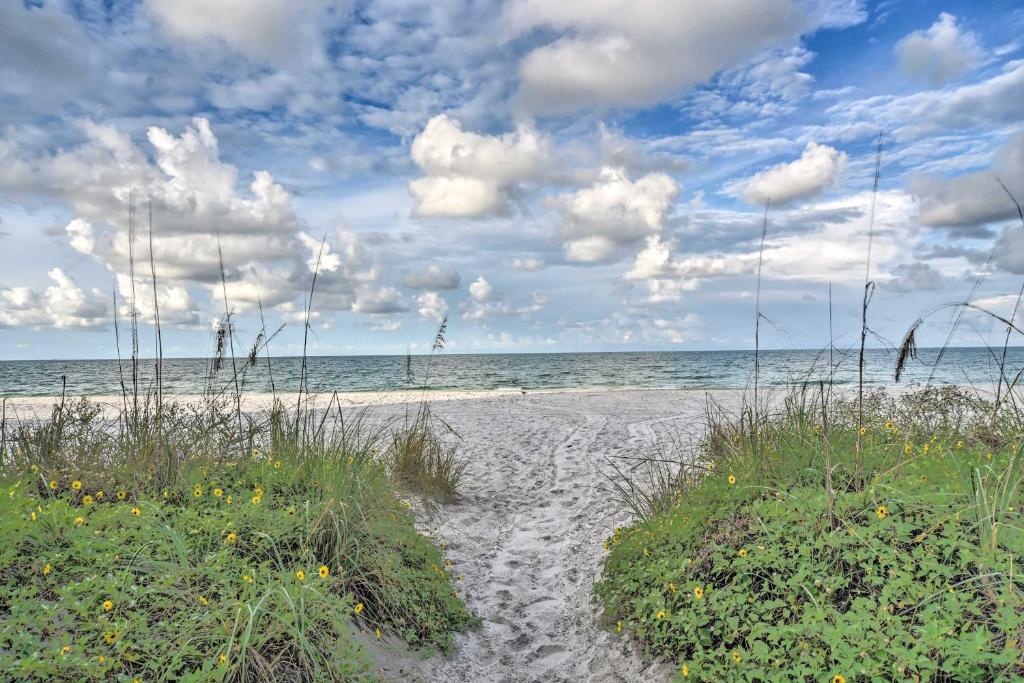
pixel 972 200
pixel 468 174
pixel 817 168
pixel 199 212
pixel 614 212
pixel 480 290
pixel 610 52
pixel 378 301
pixel 62 305
pixel 434 277
pixel 431 306
pixel 667 278
pixel 941 54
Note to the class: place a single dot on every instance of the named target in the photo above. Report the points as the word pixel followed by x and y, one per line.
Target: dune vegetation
pixel 819 542
pixel 201 543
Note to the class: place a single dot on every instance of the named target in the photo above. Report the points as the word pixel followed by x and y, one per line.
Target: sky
pixel 551 175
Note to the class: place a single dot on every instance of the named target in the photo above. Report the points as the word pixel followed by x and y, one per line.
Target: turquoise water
pixel 681 369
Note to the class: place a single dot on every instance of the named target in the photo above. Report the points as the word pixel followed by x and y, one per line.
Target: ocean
pixel 671 369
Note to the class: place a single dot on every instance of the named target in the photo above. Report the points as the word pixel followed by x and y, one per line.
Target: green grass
pixel 740 576
pixel 219 562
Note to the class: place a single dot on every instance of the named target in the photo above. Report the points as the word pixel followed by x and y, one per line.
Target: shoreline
pixel 253 401
pixel 353 399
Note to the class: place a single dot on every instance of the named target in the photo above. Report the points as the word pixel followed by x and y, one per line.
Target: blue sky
pixel 552 175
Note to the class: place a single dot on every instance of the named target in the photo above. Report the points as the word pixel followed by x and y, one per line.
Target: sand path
pixel 527 535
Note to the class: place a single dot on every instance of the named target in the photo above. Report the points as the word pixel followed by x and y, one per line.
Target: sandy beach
pixel 527 535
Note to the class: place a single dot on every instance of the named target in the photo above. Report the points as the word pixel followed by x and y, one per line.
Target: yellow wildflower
pixel 742 552
pixel 685 671
pixel 203 601
pixel 618 626
pixel 277 464
pixel 660 614
pixel 256 500
pixel 882 511
pixel 121 495
pixel 87 499
pixel 300 575
pixel 229 500
pixel 959 444
pixel 839 678
pixel 223 659
pixel 79 521
pixel 908 448
pixel 100 495
pixel 136 512
pixel 698 592
pixel 863 431
pixel 376 632
pixel 197 491
pixel 359 607
pixel 110 637
pixel 247 578
pixel 64 650
pixel 736 657
pixel 889 425
pixel 231 537
pixel 76 485
pixel 53 484
pixel 324 571
pixel 33 515
pixel 732 479
pixel 108 605
pixel 47 569
pixel 924 448
pixel 218 492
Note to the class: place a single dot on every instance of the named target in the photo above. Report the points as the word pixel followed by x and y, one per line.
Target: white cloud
pixel 911 277
pixel 836 251
pixel 434 277
pixel 377 301
pixel 526 263
pixel 667 278
pixel 614 212
pixel 940 54
pixel 468 174
pixel 198 212
pixel 817 168
pixel 973 199
pixel 1011 256
pixel 264 30
pixel 430 305
pixel 975 105
pixel 481 290
pixel 612 52
pixel 62 305
pixel 774 73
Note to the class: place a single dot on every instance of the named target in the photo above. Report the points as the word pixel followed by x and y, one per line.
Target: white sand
pixel 527 536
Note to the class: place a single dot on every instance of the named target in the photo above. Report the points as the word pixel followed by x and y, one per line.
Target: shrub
pixel 248 566
pixel 746 577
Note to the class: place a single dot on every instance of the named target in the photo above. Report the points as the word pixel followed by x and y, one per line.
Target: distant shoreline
pixel 150 359
pixel 257 401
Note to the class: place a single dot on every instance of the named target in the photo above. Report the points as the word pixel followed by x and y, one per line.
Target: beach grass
pixel 169 545
pixel 767 560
